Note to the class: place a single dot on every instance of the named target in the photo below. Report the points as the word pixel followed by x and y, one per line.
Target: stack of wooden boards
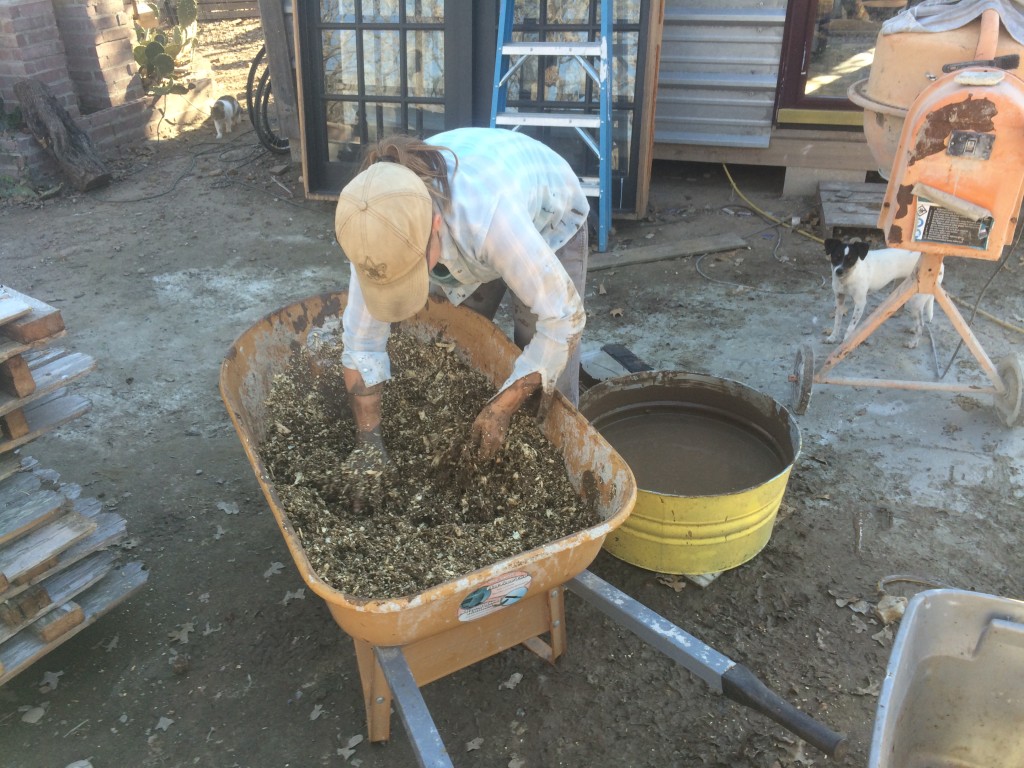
pixel 846 206
pixel 56 574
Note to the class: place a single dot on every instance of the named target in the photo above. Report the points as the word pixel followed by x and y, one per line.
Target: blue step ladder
pixel 594 129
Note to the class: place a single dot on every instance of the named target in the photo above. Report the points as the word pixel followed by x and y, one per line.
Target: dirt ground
pixel 225 659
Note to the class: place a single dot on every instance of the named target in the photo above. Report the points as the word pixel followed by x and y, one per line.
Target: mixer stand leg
pixel 890 306
pixel 925 280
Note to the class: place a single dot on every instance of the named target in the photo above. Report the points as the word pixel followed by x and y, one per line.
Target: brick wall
pixel 31 47
pixel 98 37
pixel 109 130
pixel 82 51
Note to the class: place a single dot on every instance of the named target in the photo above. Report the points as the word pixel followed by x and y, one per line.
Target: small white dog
pixel 858 271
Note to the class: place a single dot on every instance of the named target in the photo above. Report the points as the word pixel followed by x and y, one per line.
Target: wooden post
pixel 277 35
pixel 58 133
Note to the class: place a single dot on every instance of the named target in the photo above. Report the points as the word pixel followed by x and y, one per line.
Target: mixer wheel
pixel 803 378
pixel 1011 371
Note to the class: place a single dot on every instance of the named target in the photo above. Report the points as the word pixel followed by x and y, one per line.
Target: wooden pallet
pixel 41 321
pixel 846 206
pixel 26 647
pixel 41 416
pixel 56 573
pixel 215 10
pixel 53 552
pixel 31 369
pixel 45 373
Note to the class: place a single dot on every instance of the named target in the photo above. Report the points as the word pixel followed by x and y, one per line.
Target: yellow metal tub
pixel 712 457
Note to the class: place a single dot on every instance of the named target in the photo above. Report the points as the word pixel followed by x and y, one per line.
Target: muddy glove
pixel 490 428
pixel 365 465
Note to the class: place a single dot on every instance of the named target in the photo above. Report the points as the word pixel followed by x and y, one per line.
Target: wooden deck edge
pixel 790 148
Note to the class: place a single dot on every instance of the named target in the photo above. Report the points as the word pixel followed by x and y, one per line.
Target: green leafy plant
pixel 162 50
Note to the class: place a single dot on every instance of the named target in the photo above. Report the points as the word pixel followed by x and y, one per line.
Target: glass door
pixel 373 68
pixel 830 45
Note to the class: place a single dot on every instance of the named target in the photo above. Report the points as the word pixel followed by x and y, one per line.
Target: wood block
pixel 9 348
pixel 21 558
pixel 59 589
pixel 49 373
pixel 29 512
pixel 670 250
pixel 16 378
pixel 18 653
pixel 61 619
pixel 24 607
pixel 110 527
pixel 11 306
pixel 849 205
pixel 15 424
pixel 40 322
pixel 37 571
pixel 47 414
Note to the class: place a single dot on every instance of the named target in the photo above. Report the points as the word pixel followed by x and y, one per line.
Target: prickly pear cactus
pixel 188 11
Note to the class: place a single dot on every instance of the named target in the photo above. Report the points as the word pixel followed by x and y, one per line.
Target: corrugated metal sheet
pixel 718 72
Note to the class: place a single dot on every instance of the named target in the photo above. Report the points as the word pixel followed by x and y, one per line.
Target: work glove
pixel 490 428
pixel 364 468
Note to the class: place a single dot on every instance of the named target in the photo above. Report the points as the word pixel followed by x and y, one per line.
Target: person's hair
pixel 425 160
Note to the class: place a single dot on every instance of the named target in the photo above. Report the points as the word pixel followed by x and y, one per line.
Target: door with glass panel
pixel 374 68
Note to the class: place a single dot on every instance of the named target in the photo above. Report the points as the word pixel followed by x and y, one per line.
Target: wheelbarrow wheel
pixel 802 378
pixel 1008 404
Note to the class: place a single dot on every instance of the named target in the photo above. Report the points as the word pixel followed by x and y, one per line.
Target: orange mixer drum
pixel 958 175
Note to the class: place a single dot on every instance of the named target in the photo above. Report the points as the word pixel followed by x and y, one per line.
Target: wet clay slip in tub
pixel 711 458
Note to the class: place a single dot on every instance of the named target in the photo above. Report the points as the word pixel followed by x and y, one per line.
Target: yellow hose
pixel 765 215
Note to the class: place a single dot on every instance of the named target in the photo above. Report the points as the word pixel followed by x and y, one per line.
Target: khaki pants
pixel 486 299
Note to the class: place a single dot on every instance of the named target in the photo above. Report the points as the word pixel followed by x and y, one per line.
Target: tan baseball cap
pixel 382 223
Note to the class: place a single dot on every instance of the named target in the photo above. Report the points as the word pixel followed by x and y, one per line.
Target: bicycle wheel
pixel 251 82
pixel 265 118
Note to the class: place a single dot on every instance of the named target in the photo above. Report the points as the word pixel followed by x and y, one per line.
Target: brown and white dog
pixel 858 271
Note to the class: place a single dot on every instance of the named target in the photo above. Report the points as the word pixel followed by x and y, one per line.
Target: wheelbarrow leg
pixel 376 693
pixel 426 741
pixel 556 629
pixel 720 673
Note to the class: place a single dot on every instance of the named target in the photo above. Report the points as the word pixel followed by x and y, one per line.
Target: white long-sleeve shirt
pixel 514 202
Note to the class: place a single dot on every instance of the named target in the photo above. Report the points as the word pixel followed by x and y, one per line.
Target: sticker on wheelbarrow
pixel 494 595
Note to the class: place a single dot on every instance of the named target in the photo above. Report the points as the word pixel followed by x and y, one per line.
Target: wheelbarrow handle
pixel 722 674
pixel 1006 61
pixel 624 356
pixel 743 687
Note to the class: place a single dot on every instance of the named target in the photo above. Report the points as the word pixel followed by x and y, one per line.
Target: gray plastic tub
pixel 953 695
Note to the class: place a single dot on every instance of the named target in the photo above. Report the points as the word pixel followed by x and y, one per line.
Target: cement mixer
pixel 955 184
